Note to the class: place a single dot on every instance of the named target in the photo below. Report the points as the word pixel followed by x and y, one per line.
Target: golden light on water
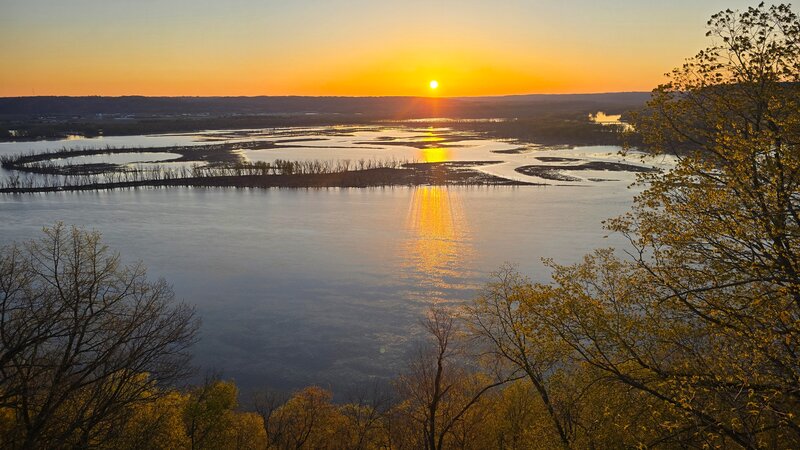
pixel 437 247
pixel 435 155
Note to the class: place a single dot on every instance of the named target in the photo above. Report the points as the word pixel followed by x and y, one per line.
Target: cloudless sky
pixel 345 47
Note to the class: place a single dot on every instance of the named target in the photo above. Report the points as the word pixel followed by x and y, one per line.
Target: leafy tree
pixel 156 425
pixel 307 420
pixel 702 323
pixel 82 339
pixel 718 237
pixel 208 414
pixel 572 404
pixel 247 432
pixel 204 417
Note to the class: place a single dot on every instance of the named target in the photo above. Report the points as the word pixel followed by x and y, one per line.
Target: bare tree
pixel 439 389
pixel 308 419
pixel 267 404
pixel 82 337
pixel 506 319
pixel 365 414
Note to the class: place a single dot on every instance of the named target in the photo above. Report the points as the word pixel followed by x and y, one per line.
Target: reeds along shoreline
pixel 43 176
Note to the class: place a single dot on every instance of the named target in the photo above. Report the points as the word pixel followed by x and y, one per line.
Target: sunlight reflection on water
pixel 327 286
pixel 438 248
pixel 434 155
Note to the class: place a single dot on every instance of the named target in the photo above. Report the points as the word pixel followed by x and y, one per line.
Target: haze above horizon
pixel 345 48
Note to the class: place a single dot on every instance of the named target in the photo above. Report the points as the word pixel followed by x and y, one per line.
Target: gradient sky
pixel 345 47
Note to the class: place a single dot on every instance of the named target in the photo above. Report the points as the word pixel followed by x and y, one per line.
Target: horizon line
pixel 322 96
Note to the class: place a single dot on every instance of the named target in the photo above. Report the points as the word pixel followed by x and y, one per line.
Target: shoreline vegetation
pixel 411 174
pixel 222 165
pixel 217 160
pixel 42 175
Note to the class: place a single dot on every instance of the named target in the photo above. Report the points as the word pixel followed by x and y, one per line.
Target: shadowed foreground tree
pixel 83 339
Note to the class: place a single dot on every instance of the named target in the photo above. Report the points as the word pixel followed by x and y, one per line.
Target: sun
pixel 433 84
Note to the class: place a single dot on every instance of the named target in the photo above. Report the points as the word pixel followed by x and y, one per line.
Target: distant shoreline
pixel 544 119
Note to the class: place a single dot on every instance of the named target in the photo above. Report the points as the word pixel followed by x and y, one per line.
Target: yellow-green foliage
pixel 690 341
pixel 202 418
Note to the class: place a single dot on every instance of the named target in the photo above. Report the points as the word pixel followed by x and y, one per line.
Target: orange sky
pixel 344 47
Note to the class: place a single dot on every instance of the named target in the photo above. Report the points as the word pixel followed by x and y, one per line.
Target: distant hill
pixel 368 107
pixel 611 97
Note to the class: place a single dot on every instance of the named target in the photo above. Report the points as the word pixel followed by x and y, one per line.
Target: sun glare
pixel 433 84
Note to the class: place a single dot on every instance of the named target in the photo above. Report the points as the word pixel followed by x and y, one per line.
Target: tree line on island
pixel 689 340
pixel 52 176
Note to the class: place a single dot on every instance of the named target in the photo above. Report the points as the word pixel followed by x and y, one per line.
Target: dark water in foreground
pixel 326 286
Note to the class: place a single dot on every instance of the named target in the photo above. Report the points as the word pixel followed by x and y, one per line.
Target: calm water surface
pixel 327 286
